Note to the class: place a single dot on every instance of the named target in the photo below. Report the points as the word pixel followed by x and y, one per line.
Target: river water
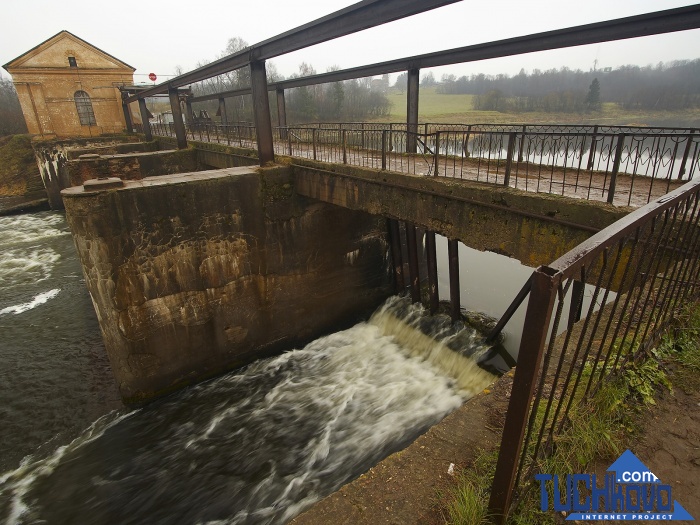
pixel 258 445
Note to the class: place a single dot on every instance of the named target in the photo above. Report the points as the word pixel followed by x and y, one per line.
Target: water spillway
pixel 254 446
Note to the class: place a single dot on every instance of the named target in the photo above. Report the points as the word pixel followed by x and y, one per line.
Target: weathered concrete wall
pixel 51 156
pixel 533 228
pixel 114 149
pixel 61 168
pixel 195 274
pixel 131 166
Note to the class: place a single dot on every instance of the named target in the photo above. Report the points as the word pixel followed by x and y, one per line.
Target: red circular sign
pixel 152 76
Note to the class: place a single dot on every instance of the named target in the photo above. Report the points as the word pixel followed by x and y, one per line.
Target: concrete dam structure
pixel 194 274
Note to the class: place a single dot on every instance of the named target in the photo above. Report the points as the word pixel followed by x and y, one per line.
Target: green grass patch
pixel 458 109
pixel 598 429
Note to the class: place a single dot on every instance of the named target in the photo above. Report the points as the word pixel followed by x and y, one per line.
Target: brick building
pixel 68 88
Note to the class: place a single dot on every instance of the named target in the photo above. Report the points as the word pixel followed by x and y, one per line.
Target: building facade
pixel 69 88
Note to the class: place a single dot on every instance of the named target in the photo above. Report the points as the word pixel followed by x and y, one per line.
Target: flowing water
pixel 254 446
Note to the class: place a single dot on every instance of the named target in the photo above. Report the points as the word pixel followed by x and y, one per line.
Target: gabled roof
pixel 49 41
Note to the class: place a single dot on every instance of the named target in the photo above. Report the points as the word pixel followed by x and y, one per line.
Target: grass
pixel 600 429
pixel 457 109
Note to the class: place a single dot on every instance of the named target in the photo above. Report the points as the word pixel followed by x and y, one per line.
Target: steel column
pixel 281 113
pixel 127 117
pixel 432 271
pixel 616 166
pixel 576 302
pixel 189 111
pixel 453 256
pixel 396 256
pixel 222 111
pixel 412 245
pixel 177 118
pixel 145 123
pixel 539 312
pixel 412 110
pixel 261 112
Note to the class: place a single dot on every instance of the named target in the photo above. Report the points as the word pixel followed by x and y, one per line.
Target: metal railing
pixel 627 166
pixel 590 314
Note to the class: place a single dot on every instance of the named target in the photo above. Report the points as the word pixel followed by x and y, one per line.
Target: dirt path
pixel 669 443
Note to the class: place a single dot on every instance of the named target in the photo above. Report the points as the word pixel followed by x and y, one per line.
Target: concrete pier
pixel 195 274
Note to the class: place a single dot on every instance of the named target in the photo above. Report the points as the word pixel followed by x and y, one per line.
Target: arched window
pixel 84 107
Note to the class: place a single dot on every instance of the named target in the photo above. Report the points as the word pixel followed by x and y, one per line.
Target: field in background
pixel 457 109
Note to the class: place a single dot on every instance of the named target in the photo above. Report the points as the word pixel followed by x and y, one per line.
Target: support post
pixel 616 166
pixel 177 118
pixel 127 117
pixel 412 245
pixel 522 144
pixel 453 256
pixel 222 111
pixel 282 114
pixel 576 303
pixel 145 123
pixel 189 111
pixel 343 138
pixel 396 257
pixel 432 271
pixel 509 159
pixel 537 317
pixel 436 155
pixel 384 133
pixel 591 154
pixel 686 153
pixel 412 111
pixel 261 112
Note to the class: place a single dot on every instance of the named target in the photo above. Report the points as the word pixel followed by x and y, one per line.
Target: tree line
pixel 350 100
pixel 11 118
pixel 666 86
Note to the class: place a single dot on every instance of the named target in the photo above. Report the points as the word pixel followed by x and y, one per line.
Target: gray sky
pixel 156 37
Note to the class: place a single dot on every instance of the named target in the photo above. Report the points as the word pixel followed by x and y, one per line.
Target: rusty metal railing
pixel 590 314
pixel 625 166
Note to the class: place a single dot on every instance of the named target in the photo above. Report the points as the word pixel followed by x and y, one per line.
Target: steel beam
pixel 145 123
pixel 412 110
pixel 659 22
pixel 261 113
pixel 354 18
pixel 177 119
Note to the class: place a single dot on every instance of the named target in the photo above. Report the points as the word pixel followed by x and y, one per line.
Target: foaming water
pixel 36 301
pixel 263 443
pixel 255 446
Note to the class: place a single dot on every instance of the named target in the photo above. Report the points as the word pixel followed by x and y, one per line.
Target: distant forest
pixel 666 86
pixel 351 100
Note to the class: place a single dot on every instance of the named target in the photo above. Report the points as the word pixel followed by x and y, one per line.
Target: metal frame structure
pixel 371 13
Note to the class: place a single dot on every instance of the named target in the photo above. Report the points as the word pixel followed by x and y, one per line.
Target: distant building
pixel 67 87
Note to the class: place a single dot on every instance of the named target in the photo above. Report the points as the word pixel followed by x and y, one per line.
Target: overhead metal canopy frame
pixel 359 16
pixel 335 25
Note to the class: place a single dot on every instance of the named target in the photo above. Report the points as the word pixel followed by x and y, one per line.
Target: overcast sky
pixel 157 37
